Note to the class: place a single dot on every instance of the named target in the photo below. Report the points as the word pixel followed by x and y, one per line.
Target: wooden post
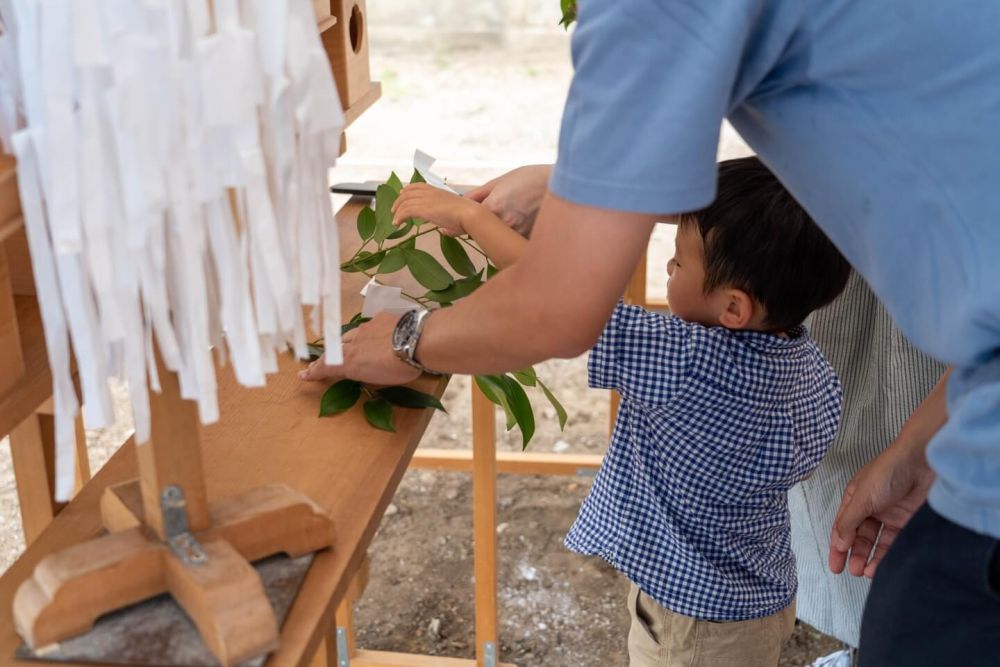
pixel 32 451
pixel 484 524
pixel 173 455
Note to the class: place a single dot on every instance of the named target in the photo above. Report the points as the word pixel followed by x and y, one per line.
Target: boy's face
pixel 686 282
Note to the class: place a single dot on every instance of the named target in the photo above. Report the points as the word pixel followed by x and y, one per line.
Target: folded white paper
pixel 381 298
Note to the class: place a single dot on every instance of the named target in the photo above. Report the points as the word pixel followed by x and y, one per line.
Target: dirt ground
pixel 481 110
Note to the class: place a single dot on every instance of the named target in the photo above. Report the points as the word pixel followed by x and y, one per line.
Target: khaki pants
pixel 660 638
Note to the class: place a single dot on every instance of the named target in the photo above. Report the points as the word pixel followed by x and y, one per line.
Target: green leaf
pixel 395 183
pixel 416 177
pixel 461 289
pixel 378 412
pixel 521 407
pixel 568 13
pixel 493 390
pixel 364 261
pixel 385 197
pixel 526 377
pixel 491 271
pixel 560 410
pixel 405 397
pixel 403 229
pixel 394 261
pixel 339 397
pixel 453 251
pixel 426 270
pixel 366 223
pixel 355 322
pixel 410 243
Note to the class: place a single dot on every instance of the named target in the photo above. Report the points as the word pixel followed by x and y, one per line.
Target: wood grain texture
pixel 389 659
pixel 11 361
pixel 346 45
pixel 20 401
pixel 10 202
pixel 514 463
pixel 15 246
pixel 225 598
pixel 172 457
pixel 71 588
pixel 31 471
pixel 273 435
pixel 484 519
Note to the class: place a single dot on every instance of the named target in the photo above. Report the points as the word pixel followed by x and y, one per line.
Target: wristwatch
pixel 406 335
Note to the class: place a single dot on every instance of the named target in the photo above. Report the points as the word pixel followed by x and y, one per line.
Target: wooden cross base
pixel 223 595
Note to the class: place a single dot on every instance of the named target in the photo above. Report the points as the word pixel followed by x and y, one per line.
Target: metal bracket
pixel 343 659
pixel 489 654
pixel 175 525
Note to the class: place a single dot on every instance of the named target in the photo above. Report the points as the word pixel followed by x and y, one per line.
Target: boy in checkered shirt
pixel 726 404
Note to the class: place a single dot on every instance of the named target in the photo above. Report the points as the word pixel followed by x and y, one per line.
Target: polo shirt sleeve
pixel 653 81
pixel 643 355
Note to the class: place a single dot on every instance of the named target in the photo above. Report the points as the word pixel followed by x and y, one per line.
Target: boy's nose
pixel 670 267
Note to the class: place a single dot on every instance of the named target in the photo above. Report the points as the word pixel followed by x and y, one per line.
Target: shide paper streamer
pixel 172 165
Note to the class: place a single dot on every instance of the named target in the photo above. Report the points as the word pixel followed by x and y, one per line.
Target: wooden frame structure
pixel 163 534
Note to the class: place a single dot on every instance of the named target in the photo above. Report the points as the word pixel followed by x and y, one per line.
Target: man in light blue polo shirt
pixel 883 120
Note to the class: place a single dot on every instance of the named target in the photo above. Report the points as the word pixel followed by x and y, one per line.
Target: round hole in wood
pixel 356 26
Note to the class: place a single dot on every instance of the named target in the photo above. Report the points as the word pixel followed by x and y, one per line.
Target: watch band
pixel 406 336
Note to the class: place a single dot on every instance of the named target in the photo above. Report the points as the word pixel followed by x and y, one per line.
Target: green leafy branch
pixel 568 13
pixel 377 257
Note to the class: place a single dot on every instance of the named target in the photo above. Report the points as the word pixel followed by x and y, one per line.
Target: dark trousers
pixel 935 600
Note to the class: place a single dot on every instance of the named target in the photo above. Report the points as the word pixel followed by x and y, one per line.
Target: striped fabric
pixel 885 378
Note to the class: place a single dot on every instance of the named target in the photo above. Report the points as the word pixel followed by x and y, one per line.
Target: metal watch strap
pixel 408 351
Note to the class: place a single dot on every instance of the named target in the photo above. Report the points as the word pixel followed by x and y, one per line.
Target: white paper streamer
pixel 173 161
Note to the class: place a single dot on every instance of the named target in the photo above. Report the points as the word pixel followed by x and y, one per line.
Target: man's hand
pixel 368 357
pixel 882 495
pixel 516 196
pixel 444 209
pixel 886 492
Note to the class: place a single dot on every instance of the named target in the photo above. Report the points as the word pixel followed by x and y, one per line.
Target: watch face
pixel 404 330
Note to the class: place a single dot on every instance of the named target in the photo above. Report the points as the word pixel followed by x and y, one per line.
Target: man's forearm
pixel 552 303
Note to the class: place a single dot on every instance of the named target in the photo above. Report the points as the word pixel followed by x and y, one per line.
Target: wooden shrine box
pixel 346 44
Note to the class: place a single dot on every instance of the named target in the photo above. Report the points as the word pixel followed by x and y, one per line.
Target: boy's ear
pixel 738 309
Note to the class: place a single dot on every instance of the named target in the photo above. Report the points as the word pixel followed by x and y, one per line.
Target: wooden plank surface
pixel 267 435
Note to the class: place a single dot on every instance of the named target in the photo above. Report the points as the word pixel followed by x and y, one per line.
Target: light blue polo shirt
pixel 882 119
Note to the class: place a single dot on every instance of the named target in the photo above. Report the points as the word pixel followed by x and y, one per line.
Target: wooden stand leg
pixel 484 522
pixel 225 598
pixel 173 456
pixel 82 458
pixel 31 473
pixel 70 589
pixel 165 538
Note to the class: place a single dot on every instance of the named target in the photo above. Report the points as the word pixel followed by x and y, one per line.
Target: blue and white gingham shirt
pixel 714 427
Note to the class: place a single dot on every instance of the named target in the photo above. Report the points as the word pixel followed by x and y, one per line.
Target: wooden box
pixel 346 44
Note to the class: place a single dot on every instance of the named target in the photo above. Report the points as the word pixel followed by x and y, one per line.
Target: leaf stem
pixel 473 246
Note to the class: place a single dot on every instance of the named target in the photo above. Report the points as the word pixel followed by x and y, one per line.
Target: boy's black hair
pixel 760 240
